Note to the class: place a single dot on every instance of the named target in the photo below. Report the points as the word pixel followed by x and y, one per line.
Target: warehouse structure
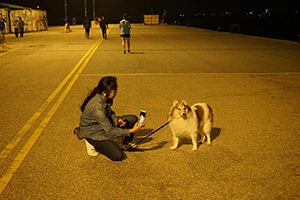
pixel 35 20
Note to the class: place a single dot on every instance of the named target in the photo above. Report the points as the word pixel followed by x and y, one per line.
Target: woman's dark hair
pixel 106 84
pixel 125 16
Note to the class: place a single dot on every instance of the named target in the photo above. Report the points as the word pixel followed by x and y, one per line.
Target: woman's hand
pixel 137 127
pixel 120 123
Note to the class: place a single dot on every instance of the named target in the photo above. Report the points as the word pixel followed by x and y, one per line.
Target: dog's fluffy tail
pixel 210 116
pixel 199 108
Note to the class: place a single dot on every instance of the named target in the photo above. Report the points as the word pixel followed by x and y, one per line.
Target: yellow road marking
pixel 32 120
pixel 25 150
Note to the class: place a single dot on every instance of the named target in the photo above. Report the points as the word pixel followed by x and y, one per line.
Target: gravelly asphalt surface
pixel 251 83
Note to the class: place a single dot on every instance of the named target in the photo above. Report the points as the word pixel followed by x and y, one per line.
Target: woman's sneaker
pixel 77 132
pixel 91 149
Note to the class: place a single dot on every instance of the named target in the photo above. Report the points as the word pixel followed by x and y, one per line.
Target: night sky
pixel 114 9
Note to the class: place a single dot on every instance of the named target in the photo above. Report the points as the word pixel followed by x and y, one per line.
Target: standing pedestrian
pixel 2 29
pixel 125 32
pixel 87 25
pixel 103 26
pixel 21 26
pixel 16 26
pixel 74 20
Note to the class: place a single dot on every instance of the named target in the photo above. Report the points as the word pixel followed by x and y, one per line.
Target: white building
pixel 35 20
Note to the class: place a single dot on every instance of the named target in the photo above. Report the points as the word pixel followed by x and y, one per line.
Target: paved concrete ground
pixel 251 83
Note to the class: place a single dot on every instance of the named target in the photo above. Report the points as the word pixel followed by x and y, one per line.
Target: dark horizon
pixel 114 9
pixel 255 17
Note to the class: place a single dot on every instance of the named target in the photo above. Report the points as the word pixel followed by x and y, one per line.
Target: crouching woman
pixel 98 122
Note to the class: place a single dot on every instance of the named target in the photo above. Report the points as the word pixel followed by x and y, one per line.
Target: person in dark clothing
pixel 16 25
pixel 2 29
pixel 103 26
pixel 87 25
pixel 21 26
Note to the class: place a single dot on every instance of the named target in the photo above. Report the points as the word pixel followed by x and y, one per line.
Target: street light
pixel 66 15
pixel 85 11
pixel 94 10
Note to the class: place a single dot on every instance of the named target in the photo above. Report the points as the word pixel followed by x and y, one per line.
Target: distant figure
pixel 74 20
pixel 103 26
pixel 164 17
pixel 125 32
pixel 16 26
pixel 87 25
pixel 67 28
pixel 21 26
pixel 36 22
pixel 2 29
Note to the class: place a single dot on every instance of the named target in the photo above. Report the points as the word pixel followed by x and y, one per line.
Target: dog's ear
pixel 175 103
pixel 184 102
pixel 174 107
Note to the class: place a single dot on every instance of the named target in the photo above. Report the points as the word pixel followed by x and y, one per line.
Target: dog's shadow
pixel 141 135
pixel 215 132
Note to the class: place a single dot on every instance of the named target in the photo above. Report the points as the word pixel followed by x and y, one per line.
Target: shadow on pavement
pixel 215 132
pixel 141 135
pixel 137 52
pixel 155 147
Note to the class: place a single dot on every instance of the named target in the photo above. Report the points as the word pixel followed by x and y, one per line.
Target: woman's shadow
pixel 140 138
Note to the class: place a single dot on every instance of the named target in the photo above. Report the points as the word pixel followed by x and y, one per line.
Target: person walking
pixel 21 26
pixel 103 26
pixel 2 29
pixel 74 20
pixel 87 25
pixel 125 32
pixel 98 122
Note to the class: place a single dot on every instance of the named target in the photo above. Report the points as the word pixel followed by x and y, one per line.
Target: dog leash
pixel 165 124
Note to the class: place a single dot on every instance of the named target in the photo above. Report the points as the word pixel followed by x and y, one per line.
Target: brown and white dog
pixel 187 122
